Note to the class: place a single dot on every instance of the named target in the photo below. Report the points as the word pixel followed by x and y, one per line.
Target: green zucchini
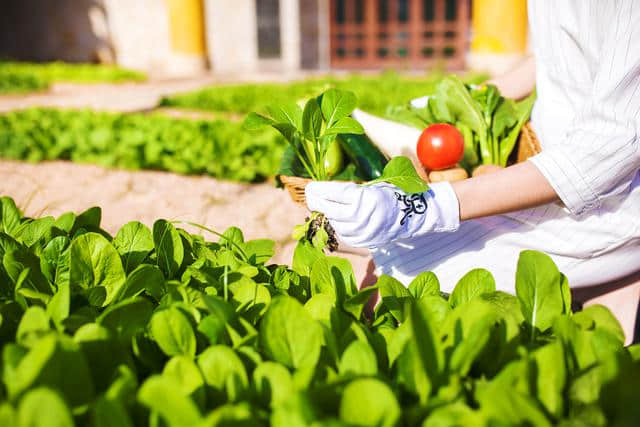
pixel 364 154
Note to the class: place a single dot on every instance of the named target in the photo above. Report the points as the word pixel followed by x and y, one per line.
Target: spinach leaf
pixel 401 173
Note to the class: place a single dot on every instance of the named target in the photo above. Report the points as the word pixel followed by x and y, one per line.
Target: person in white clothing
pixel 578 200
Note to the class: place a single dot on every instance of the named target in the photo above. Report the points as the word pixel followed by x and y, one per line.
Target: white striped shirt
pixel 587 117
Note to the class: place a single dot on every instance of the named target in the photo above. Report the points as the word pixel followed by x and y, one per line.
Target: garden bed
pixel 375 93
pixel 218 148
pixel 158 325
pixel 19 77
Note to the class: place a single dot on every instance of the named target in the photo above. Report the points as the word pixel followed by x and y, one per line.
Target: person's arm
pixel 518 82
pixel 498 192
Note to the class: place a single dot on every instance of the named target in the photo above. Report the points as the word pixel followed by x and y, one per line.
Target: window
pixel 268 14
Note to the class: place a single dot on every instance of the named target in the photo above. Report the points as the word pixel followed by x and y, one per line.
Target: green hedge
pixel 26 76
pixel 374 93
pixel 218 148
pixel 160 327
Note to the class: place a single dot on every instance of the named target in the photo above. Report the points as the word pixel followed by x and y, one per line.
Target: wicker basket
pixel 528 145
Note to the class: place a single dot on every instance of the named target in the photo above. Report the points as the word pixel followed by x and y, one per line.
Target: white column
pixel 232 39
pixel 290 34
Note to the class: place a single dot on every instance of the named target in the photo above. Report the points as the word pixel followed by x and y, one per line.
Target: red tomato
pixel 440 146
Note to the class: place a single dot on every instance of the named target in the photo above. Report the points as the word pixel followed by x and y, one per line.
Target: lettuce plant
pixel 159 326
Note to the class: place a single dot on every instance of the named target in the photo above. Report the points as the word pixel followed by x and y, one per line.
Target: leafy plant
pixel 218 148
pixel 165 327
pixel 309 132
pixel 374 93
pixel 29 76
pixel 489 123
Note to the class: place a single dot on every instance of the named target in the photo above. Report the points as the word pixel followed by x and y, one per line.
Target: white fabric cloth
pixel 371 216
pixel 587 119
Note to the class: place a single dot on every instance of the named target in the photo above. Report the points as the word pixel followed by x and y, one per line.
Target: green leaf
pixel 59 306
pixel 369 402
pixel 551 377
pixel 23 267
pixel 304 257
pixel 289 335
pixel 599 317
pixel 250 295
pixel 273 383
pixel 54 261
pixel 345 125
pixel 425 340
pixel 473 284
pixel 163 396
pixel 259 251
pixel 337 104
pixel 255 121
pixel 538 287
pixel 54 362
pixel 127 317
pixel 505 405
pixel 223 370
pixel 288 113
pixel 169 248
pixel 145 277
pixel 456 414
pixel 358 359
pixel 356 304
pixel 425 284
pixel 393 296
pixel 9 216
pixel 95 263
pixel 401 173
pixel 471 346
pixel 173 332
pixel 184 372
pixel 8 415
pixel 65 222
pixel 43 407
pixel 107 413
pixel 312 120
pixel 32 232
pixel 133 242
pixel 102 352
pixel 33 325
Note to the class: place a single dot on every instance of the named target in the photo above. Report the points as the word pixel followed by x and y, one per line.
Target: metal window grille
pixel 398 33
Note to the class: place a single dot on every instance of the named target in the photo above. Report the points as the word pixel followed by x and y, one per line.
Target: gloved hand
pixel 372 216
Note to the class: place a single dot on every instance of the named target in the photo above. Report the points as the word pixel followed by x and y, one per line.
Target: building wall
pixel 41 30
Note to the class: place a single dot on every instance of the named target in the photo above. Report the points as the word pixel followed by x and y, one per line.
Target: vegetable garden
pixel 163 327
pixel 159 326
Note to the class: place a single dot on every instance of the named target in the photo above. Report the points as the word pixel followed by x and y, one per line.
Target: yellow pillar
pixel 499 29
pixel 187 35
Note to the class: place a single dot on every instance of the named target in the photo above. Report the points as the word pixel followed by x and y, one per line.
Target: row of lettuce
pixel 164 327
pixel 20 77
pixel 218 147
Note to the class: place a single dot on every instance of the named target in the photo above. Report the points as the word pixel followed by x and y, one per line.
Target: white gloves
pixel 372 216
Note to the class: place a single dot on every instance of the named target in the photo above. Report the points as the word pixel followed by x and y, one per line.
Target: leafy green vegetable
pixel 401 173
pixel 219 148
pixel 489 123
pixel 212 335
pixel 310 131
pixel 26 76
